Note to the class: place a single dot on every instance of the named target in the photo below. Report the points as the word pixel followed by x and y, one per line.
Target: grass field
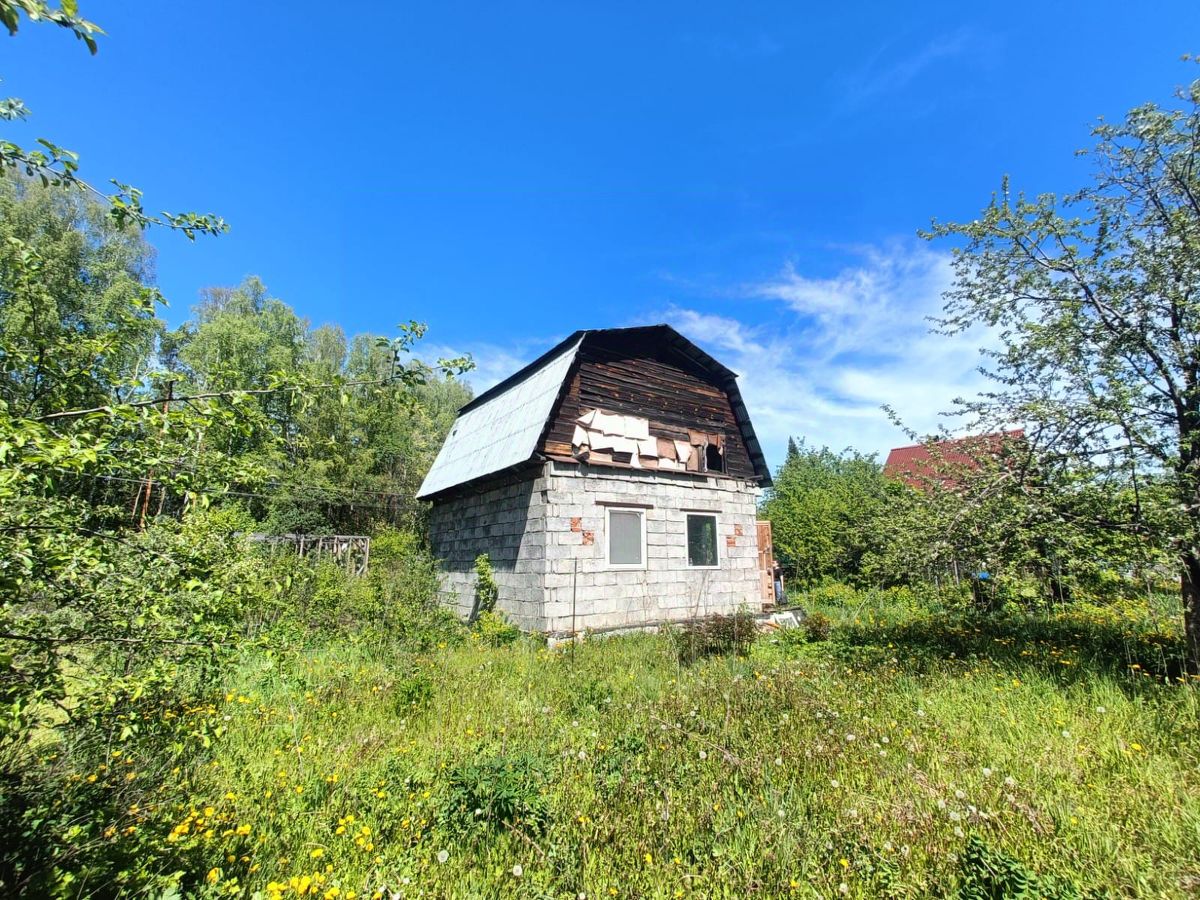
pixel 907 756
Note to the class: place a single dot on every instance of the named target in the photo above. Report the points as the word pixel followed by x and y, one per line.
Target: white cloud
pixel 839 348
pixel 885 73
pixel 829 355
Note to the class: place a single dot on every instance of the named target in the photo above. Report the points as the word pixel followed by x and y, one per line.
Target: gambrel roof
pixel 505 426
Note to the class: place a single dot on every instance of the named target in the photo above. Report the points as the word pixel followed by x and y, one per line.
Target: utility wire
pixel 313 501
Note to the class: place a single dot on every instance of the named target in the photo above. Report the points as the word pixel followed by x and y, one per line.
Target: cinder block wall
pixel 667 589
pixel 507 522
pixel 546 538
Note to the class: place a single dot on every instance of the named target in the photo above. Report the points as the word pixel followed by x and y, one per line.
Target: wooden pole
pixel 574 583
pixel 145 504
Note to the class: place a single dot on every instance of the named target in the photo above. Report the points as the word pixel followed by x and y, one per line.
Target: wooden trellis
pixel 353 551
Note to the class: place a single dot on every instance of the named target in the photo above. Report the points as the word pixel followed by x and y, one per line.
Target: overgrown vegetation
pixel 188 711
pixel 818 506
pixel 716 635
pixel 1091 298
pixel 909 754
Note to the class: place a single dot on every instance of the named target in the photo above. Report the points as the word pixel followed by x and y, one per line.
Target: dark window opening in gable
pixel 714 459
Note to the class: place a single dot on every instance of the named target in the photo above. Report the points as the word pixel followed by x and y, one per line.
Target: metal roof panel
pixel 503 430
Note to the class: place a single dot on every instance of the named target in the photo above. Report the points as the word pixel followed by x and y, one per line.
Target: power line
pixel 250 494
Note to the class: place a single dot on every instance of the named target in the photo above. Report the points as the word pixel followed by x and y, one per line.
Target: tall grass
pixel 919 750
pixel 610 769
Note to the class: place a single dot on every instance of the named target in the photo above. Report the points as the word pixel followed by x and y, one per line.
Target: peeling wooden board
pixel 649 381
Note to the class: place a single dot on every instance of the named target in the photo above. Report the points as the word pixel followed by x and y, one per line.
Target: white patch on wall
pixel 604 437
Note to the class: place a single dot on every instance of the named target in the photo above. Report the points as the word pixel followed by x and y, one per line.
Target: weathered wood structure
pixel 352 551
pixel 613 482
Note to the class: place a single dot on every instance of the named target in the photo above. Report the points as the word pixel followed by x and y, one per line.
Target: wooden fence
pixel 353 551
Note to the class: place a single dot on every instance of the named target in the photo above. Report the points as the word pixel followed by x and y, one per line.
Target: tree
pixel 352 450
pixel 820 507
pixel 1095 298
pixel 793 450
pixel 1040 532
pixel 88 295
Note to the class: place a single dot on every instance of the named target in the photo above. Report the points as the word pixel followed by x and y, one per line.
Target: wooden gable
pixel 636 372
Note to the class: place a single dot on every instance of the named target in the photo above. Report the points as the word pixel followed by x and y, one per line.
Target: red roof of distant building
pixel 935 460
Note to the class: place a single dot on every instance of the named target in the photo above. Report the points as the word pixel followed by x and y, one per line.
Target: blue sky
pixel 753 173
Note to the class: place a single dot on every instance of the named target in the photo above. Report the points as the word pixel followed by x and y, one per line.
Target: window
pixel 702 541
pixel 713 454
pixel 626 538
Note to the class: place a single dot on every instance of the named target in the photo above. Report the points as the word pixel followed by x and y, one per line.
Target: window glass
pixel 702 540
pixel 624 537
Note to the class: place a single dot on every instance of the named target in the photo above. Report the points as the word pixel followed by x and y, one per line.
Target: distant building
pixel 613 483
pixel 943 463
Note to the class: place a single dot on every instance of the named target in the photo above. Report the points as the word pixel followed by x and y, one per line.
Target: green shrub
pixel 586 693
pixel 395 602
pixel 403 574
pixel 413 692
pixel 493 630
pixel 816 626
pixel 988 874
pixel 486 590
pixel 716 636
pixel 832 593
pixel 497 793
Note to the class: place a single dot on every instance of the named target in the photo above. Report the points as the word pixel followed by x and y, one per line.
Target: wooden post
pixel 574 583
pixel 149 485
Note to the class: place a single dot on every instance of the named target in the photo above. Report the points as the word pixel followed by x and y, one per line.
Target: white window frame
pixel 717 537
pixel 608 563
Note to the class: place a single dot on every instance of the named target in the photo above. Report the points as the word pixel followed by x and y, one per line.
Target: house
pixel 944 463
pixel 613 483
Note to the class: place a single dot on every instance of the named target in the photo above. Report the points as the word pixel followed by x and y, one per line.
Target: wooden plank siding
pixel 648 379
